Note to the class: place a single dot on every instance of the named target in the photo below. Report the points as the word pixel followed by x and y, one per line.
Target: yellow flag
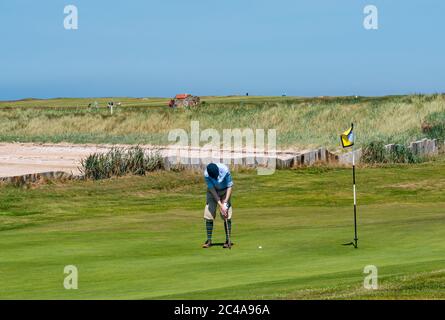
pixel 347 138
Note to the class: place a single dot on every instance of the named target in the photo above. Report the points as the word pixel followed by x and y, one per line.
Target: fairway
pixel 140 237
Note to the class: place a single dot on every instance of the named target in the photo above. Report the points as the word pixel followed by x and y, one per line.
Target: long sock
pixel 209 228
pixel 228 226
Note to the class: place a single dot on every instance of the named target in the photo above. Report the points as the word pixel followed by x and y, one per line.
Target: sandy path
pixel 25 158
pixel 19 159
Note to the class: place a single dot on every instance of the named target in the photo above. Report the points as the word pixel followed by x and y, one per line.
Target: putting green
pixel 140 237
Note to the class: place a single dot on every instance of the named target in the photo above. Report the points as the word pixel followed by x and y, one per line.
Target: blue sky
pixel 163 47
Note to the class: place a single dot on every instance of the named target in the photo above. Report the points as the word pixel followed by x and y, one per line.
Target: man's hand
pixel 224 209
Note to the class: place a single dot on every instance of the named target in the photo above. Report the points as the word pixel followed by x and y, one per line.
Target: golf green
pixel 140 237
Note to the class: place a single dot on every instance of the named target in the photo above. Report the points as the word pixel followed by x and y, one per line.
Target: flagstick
pixel 355 198
pixel 351 142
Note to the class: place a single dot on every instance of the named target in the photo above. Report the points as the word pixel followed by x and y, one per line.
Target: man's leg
pixel 209 229
pixel 209 216
pixel 228 228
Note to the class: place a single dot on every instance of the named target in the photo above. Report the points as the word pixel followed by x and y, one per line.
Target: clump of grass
pixel 375 152
pixel 434 126
pixel 402 154
pixel 119 162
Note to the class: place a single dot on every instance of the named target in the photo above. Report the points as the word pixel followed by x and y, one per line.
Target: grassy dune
pixel 300 122
pixel 139 237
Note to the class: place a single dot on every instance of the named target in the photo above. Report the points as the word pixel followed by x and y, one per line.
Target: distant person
pixel 219 190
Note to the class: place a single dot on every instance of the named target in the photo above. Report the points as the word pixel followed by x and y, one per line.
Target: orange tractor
pixel 184 100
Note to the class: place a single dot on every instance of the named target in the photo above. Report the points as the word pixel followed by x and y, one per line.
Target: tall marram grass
pixel 300 122
pixel 119 162
pixel 375 152
pixel 434 125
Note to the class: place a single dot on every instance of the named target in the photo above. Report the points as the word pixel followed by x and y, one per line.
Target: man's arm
pixel 216 197
pixel 229 183
pixel 228 194
pixel 223 209
pixel 214 194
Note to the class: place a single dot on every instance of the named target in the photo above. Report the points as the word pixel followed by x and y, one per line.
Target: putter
pixel 228 233
pixel 226 223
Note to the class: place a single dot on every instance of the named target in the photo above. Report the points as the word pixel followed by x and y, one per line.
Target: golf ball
pixel 260 247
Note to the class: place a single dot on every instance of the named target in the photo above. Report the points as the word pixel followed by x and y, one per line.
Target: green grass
pixel 140 237
pixel 300 122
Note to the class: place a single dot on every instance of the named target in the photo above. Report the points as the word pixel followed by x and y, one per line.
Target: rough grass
pixel 119 162
pixel 300 122
pixel 139 237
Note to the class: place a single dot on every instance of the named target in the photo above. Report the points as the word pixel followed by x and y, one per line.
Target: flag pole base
pixel 354 244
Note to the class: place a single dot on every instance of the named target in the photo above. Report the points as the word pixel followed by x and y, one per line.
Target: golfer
pixel 219 189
